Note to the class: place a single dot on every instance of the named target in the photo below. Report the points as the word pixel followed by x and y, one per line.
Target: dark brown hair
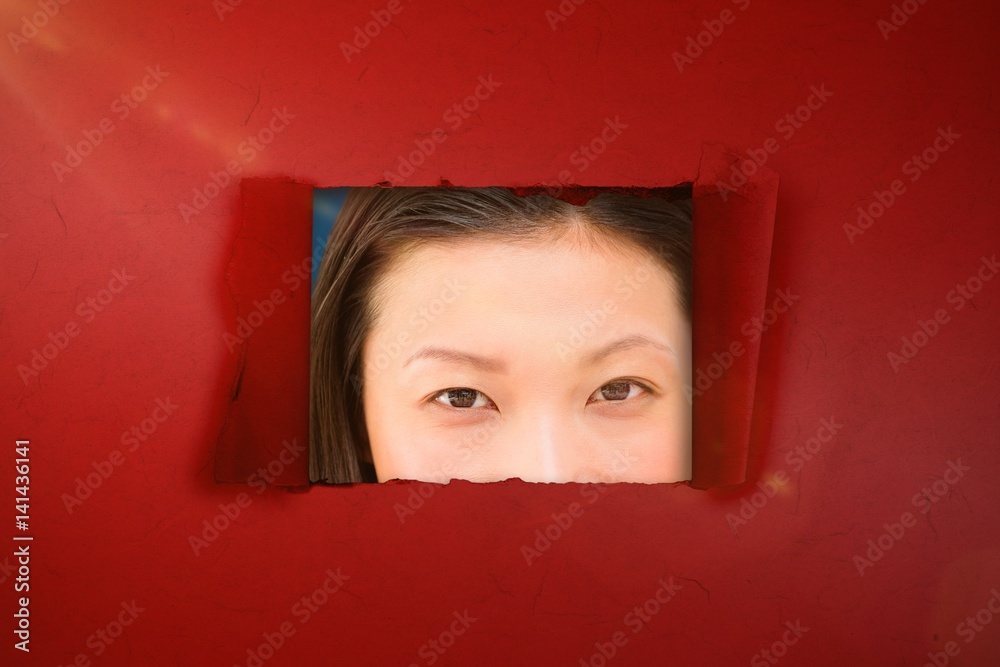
pixel 375 224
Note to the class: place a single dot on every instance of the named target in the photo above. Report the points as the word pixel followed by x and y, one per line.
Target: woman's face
pixel 554 360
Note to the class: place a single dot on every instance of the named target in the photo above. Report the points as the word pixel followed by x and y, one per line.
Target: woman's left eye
pixel 618 390
pixel 464 398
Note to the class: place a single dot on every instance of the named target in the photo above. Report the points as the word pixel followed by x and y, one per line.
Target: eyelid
pixel 647 386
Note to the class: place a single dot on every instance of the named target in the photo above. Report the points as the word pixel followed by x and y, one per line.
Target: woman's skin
pixel 557 359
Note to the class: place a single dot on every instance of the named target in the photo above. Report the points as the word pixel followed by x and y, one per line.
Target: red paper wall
pixel 157 340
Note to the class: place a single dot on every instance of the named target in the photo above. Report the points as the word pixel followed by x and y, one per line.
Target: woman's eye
pixel 618 390
pixel 463 397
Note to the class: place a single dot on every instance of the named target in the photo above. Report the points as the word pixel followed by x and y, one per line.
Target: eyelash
pixel 436 398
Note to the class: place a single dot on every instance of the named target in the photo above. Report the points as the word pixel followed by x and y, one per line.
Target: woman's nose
pixel 546 447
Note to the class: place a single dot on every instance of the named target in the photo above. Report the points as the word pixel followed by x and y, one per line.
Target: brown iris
pixel 616 391
pixel 462 398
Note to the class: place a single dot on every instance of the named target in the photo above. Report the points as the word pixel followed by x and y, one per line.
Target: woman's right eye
pixel 463 397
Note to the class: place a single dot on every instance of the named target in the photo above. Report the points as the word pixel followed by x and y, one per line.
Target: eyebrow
pixel 491 365
pixel 627 343
pixel 485 364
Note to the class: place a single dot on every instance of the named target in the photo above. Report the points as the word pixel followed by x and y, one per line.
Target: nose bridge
pixel 547 444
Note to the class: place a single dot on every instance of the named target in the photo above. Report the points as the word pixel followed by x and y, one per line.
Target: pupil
pixel 462 398
pixel 615 391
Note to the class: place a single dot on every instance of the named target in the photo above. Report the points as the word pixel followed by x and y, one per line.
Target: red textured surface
pixel 266 427
pixel 733 231
pixel 161 337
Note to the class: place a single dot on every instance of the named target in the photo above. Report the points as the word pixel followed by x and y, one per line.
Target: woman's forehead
pixel 491 291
